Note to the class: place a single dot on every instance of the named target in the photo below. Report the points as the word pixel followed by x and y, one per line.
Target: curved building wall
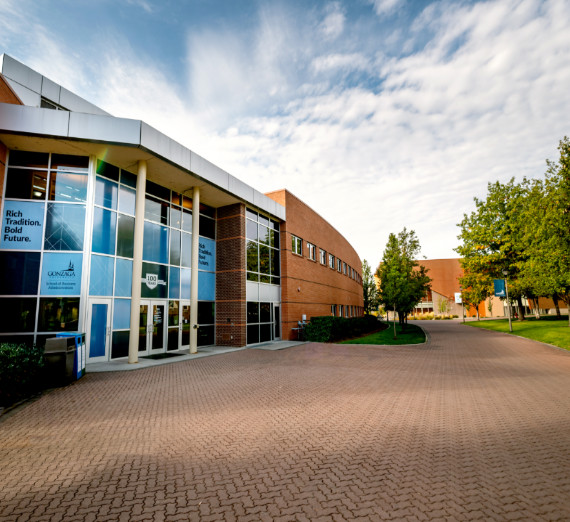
pixel 309 287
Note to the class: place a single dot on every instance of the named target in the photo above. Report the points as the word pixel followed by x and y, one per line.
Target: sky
pixel 379 114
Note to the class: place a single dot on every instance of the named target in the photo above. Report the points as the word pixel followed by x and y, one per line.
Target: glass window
pixel 339 265
pixel 274 254
pixel 252 312
pixel 157 191
pixel 120 344
pixel 323 256
pixel 187 220
pixel 18 314
pixel 331 261
pixel 58 314
pixel 311 251
pixel 206 335
pixel 175 247
pixel 206 286
pixel 296 245
pixel 264 333
pixel 20 273
pixel 128 178
pixel 104 231
pixel 155 281
pixel 264 259
pixel 107 170
pixel 264 312
pixel 22 158
pixel 123 277
pixel 26 184
pixel 68 161
pixel 252 256
pixel 127 200
pixel 106 193
pixel 156 210
pixel 101 278
pixel 263 220
pixel 155 243
pixel 186 257
pixel 64 227
pixel 122 314
pixel 174 315
pixel 251 214
pixel 252 333
pixel 251 230
pixel 206 312
pixel 174 283
pixel 125 236
pixel 175 217
pixel 70 187
pixel 185 279
pixel 207 227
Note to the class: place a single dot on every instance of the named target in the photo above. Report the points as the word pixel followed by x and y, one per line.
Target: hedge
pixel 20 372
pixel 329 329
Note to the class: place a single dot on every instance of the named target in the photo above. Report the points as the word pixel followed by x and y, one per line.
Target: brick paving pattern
pixel 474 425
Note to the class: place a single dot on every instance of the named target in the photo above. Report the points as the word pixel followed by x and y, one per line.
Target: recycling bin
pixel 59 357
pixel 80 353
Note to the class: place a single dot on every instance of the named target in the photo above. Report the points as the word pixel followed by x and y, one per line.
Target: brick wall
pixel 307 286
pixel 230 276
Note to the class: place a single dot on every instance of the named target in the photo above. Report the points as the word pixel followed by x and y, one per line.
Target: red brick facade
pixel 230 277
pixel 309 287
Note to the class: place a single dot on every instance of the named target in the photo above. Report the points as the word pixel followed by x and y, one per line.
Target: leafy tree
pixel 491 239
pixel 369 289
pixel 403 281
pixel 476 288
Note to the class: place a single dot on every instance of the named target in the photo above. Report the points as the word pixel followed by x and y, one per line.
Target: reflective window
pixel 58 314
pixel 101 278
pixel 127 200
pixel 106 193
pixel 186 257
pixel 104 231
pixel 125 236
pixel 174 283
pixel 70 187
pixel 122 314
pixel 123 277
pixel 155 243
pixel 64 227
pixel 20 273
pixel 26 184
pixel 175 247
pixel 262 248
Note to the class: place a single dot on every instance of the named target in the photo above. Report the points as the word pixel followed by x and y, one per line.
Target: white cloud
pixel 386 6
pixel 333 24
pixel 334 62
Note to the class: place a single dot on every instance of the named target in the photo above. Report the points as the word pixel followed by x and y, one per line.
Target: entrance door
pixel 277 323
pixel 152 327
pixel 185 324
pixel 99 331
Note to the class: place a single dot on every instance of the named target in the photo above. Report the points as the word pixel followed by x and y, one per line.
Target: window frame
pixel 296 245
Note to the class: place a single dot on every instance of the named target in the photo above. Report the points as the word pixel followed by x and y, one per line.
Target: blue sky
pixel 380 114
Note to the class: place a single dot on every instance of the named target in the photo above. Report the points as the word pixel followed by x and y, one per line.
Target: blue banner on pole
pixel 499 287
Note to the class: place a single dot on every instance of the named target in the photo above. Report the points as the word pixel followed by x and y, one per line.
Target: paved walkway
pixel 474 425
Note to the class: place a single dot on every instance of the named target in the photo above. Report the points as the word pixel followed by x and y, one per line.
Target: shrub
pixel 20 372
pixel 328 329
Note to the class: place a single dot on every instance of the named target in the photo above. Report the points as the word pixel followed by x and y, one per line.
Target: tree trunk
pixel 557 306
pixel 536 309
pixel 395 323
pixel 521 309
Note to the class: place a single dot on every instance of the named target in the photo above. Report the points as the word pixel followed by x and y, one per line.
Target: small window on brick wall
pixel 323 256
pixel 312 251
pixel 296 245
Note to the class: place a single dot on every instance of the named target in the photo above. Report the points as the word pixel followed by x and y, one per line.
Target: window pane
pixel 264 220
pixel 252 312
pixel 252 333
pixel 185 279
pixel 155 243
pixel 101 278
pixel 62 161
pixel 264 312
pixel 122 314
pixel 18 315
pixel 174 283
pixel 125 236
pixel 264 234
pixel 128 178
pixel 207 227
pixel 127 200
pixel 251 276
pixel 26 184
pixel 205 312
pixel 251 214
pixel 264 333
pixel 106 193
pixel 20 273
pixel 123 277
pixel 156 210
pixel 57 314
pixel 173 313
pixel 68 186
pixel 175 217
pixel 107 170
pixel 274 262
pixel 23 158
pixel 251 230
pixel 175 247
pixel 264 259
pixel 64 227
pixel 206 335
pixel 187 220
pixel 120 344
pixel 252 256
pixel 155 281
pixel 104 231
pixel 186 250
pixel 157 191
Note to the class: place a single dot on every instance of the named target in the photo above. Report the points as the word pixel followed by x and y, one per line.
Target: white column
pixel 137 264
pixel 194 266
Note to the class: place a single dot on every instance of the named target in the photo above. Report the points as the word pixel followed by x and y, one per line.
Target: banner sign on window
pixel 458 299
pixel 499 285
pixel 22 225
pixel 207 255
pixel 61 274
pixel 154 281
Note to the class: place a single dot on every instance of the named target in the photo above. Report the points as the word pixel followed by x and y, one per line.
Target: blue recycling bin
pixel 80 353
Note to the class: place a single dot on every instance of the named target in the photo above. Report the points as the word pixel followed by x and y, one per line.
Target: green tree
pixel 369 289
pixel 491 238
pixel 476 288
pixel 403 281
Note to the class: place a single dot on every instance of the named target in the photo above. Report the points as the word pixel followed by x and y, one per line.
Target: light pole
pixel 462 304
pixel 506 273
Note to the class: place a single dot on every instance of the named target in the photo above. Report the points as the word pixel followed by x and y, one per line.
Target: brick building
pixel 111 228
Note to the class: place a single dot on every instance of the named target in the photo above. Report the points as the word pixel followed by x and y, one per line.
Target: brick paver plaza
pixel 471 426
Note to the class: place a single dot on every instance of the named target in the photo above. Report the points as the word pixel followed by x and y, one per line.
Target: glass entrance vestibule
pixel 69 257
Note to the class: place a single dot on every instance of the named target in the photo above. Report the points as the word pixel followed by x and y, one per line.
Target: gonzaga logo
pixel 66 272
pixel 152 281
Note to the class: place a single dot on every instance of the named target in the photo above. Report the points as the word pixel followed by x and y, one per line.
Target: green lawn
pixel 547 330
pixel 414 335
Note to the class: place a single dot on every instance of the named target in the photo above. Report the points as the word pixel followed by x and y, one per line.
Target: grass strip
pixel 550 330
pixel 413 335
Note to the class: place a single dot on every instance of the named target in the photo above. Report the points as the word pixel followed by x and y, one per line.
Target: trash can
pixel 59 356
pixel 80 353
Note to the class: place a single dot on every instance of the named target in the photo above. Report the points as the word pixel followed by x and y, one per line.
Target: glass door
pixel 185 325
pixel 99 333
pixel 152 327
pixel 277 323
pixel 173 325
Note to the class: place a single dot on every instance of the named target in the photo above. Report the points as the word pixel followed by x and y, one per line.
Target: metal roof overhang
pixel 123 142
